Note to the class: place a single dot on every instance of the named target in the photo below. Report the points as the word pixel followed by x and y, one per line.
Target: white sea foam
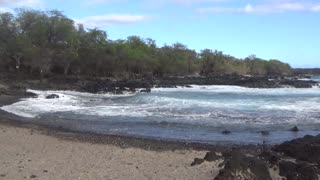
pixel 242 90
pixel 200 104
pixel 67 101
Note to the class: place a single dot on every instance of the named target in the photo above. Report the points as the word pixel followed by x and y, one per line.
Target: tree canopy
pixel 48 42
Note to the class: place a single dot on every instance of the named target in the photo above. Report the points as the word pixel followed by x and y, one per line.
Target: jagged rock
pixel 300 171
pixel 304 149
pixel 270 157
pixel 211 156
pixel 52 96
pixel 299 83
pixel 240 166
pixel 265 133
pixel 257 82
pixel 294 129
pixel 197 161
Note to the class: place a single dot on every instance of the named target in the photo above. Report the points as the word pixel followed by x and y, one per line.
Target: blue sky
pixel 288 30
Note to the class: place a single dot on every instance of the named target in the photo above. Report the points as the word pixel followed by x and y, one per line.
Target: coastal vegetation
pixel 44 43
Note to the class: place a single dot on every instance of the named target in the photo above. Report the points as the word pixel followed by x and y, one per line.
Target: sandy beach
pixel 29 154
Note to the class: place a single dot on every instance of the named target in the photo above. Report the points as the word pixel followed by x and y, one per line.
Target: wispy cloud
pixel 191 2
pixel 161 3
pixel 3 10
pixel 15 3
pixel 111 19
pixel 316 8
pixel 95 2
pixel 267 7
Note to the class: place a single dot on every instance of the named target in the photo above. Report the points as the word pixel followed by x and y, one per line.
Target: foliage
pixel 48 42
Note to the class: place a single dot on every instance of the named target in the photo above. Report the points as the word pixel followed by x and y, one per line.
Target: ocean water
pixel 197 114
pixel 316 78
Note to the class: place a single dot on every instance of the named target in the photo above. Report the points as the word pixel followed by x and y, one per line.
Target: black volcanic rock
pixel 299 171
pixel 271 157
pixel 304 149
pixel 257 82
pixel 240 166
pixel 294 129
pixel 226 132
pixel 299 83
pixel 52 96
pixel 265 133
pixel 240 163
pixel 197 161
pixel 211 156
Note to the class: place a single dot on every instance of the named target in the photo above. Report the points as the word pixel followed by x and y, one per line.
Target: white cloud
pixel 94 2
pixel 16 3
pixel 161 3
pixel 3 10
pixel 267 8
pixel 190 2
pixel 217 9
pixel 111 19
pixel 315 8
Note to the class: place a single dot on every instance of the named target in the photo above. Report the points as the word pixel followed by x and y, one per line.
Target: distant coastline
pixel 12 83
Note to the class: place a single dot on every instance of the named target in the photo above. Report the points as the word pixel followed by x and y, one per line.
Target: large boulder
pixel 209 157
pixel 271 157
pixel 212 156
pixel 298 171
pixel 240 166
pixel 304 149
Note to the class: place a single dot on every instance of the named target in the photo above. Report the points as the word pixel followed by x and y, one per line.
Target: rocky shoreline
pixel 106 85
pixel 297 159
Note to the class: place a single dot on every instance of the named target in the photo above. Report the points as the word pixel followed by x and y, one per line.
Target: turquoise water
pixel 197 114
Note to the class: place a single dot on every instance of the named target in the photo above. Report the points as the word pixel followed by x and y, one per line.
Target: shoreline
pixel 123 141
pixel 9 119
pixel 32 151
pixel 95 85
pixel 90 136
pixel 39 151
